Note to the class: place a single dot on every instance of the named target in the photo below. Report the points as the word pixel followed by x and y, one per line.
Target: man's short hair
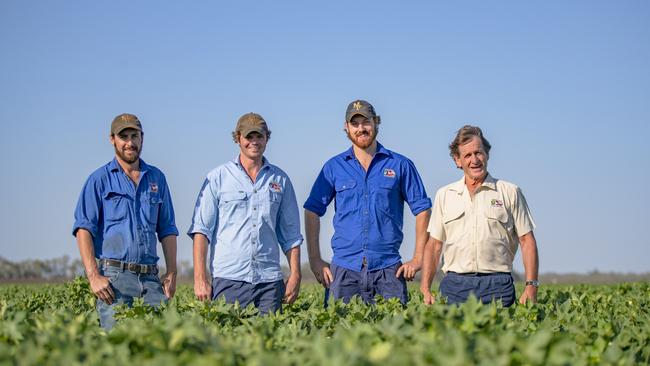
pixel 463 136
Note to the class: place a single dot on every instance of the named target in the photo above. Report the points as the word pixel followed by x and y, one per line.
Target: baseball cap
pixel 360 107
pixel 124 121
pixel 251 122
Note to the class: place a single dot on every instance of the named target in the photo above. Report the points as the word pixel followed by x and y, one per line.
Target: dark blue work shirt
pixel 369 206
pixel 122 218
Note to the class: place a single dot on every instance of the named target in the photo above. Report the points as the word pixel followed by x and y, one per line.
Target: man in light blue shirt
pixel 245 212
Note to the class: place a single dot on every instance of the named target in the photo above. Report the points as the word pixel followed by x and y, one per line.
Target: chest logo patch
pixel 496 203
pixel 153 187
pixel 389 173
pixel 275 187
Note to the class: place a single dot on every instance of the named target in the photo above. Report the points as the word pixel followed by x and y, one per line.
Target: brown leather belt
pixel 132 267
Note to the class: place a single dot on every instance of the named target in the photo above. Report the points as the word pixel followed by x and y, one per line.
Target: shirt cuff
pixel 197 229
pixel 291 244
pixel 171 230
pixel 315 207
pixel 86 225
pixel 420 205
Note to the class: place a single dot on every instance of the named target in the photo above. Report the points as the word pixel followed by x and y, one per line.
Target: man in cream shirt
pixel 481 221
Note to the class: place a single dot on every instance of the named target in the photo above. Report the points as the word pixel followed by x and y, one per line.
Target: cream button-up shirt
pixel 480 234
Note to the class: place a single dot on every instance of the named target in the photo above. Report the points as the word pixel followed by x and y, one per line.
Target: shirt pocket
pixel 275 200
pixel 150 205
pixel 116 206
pixel 498 222
pixel 346 199
pixel 233 205
pixel 385 194
pixel 453 220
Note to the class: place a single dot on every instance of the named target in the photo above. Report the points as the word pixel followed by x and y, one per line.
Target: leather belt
pixel 480 274
pixel 132 267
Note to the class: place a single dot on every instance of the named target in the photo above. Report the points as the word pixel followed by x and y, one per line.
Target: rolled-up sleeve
pixel 86 214
pixel 206 210
pixel 166 220
pixel 288 220
pixel 523 219
pixel 413 189
pixel 322 193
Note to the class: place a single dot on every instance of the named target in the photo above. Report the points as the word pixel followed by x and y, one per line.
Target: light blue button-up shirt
pixel 247 222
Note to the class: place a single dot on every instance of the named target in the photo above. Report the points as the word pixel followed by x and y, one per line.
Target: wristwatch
pixel 532 283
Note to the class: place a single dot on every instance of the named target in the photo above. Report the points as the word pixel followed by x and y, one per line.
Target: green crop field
pixel 572 325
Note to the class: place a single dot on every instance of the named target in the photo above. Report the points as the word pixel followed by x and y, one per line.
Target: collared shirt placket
pixel 255 223
pixel 365 219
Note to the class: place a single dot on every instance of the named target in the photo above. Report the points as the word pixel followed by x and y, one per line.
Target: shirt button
pixel 254 208
pixel 254 190
pixel 253 225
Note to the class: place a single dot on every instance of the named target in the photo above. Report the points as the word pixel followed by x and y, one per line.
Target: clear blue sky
pixel 560 88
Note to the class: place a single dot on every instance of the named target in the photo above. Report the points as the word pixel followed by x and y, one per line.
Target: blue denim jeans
pixel 267 297
pixel 457 287
pixel 128 285
pixel 368 284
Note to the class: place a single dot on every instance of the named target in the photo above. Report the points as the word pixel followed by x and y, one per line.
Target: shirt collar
pixel 114 166
pixel 488 182
pixel 349 153
pixel 265 162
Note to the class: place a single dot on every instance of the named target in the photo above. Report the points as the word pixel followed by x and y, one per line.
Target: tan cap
pixel 360 107
pixel 251 122
pixel 124 121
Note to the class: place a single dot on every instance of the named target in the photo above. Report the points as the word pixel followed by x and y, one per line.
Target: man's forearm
pixel 169 248
pixel 421 234
pixel 432 252
pixel 87 252
pixel 312 231
pixel 200 254
pixel 293 257
pixel 529 255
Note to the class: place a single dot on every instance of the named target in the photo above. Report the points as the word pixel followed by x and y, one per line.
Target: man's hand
pixel 101 287
pixel 168 281
pixel 321 270
pixel 428 299
pixel 292 288
pixel 409 269
pixel 202 289
pixel 530 294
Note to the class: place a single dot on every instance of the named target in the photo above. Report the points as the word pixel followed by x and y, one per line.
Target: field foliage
pixel 572 325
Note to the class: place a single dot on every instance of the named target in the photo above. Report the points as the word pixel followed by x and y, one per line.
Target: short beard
pixel 125 159
pixel 373 137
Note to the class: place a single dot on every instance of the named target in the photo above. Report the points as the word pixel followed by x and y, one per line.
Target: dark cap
pixel 251 122
pixel 360 107
pixel 124 121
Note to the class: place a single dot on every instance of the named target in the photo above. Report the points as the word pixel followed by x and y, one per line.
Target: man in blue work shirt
pixel 369 184
pixel 123 206
pixel 245 212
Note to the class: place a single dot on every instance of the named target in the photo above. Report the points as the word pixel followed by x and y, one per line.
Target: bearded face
pixel 362 131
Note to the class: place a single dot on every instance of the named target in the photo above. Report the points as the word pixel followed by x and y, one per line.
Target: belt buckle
pixel 364 261
pixel 132 267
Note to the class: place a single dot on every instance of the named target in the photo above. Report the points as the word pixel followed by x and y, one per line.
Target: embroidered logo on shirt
pixel 275 187
pixel 153 187
pixel 496 203
pixel 390 173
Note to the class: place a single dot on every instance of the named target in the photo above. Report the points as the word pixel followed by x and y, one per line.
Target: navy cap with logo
pixel 361 107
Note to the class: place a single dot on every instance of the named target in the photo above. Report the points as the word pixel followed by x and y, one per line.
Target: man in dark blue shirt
pixel 369 184
pixel 123 206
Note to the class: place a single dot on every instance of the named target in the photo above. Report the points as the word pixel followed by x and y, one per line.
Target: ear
pixel 111 138
pixel 459 164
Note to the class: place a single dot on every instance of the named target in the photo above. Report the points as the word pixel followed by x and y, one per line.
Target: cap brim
pixel 248 131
